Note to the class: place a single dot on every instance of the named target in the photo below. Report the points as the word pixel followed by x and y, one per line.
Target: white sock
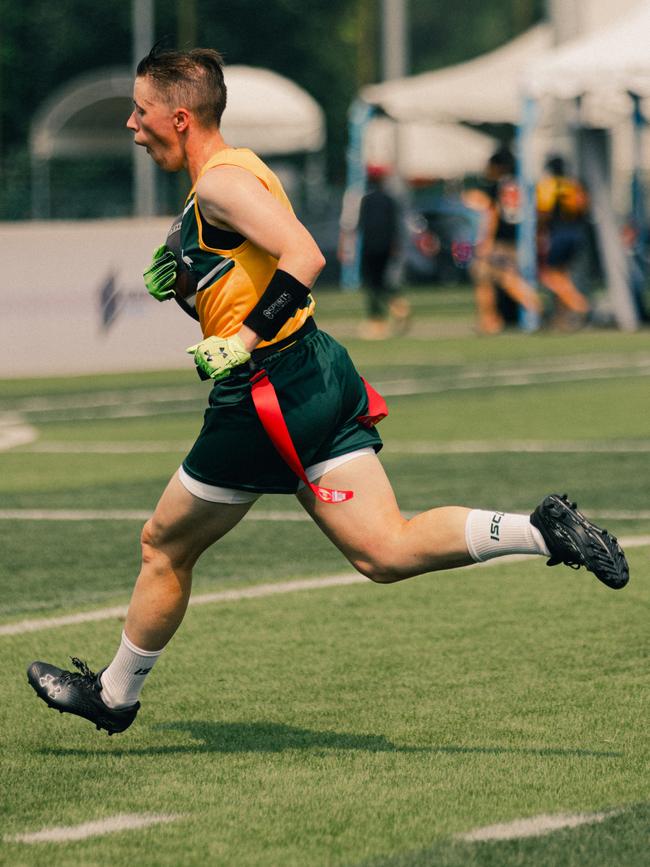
pixel 124 678
pixel 495 534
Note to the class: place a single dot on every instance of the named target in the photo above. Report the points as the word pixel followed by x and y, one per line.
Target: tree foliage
pixel 329 47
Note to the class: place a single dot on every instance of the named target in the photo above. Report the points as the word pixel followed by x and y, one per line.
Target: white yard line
pixel 549 447
pixel 416 447
pixel 119 611
pixel 255 592
pixel 535 826
pixel 113 448
pixel 110 825
pixel 100 399
pixel 126 515
pixel 15 432
pixel 282 516
pixel 139 403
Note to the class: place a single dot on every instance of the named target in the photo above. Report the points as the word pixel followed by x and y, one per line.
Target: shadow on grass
pixel 273 737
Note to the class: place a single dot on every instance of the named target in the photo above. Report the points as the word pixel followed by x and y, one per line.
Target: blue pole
pixel 359 116
pixel 639 268
pixel 638 204
pixel 527 228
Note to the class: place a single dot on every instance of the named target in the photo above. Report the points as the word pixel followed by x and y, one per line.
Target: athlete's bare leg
pixel 370 531
pixel 181 528
pixel 561 284
pixel 518 289
pixel 489 319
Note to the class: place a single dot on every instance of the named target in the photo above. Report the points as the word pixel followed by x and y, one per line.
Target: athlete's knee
pixel 378 567
pixel 151 541
pixel 152 536
pixel 162 548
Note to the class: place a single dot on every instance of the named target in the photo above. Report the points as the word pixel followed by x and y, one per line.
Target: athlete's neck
pixel 200 148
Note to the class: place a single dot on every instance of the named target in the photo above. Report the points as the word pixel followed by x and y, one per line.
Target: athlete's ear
pixel 181 119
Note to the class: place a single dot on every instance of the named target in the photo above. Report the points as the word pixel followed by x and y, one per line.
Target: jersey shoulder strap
pixel 246 159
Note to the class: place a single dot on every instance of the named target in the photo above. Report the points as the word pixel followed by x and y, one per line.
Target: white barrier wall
pixel 72 300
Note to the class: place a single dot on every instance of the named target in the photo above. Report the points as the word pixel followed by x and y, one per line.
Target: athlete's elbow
pixel 318 262
pixel 312 267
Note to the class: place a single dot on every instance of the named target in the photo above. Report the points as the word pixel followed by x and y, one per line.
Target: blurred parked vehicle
pixel 440 235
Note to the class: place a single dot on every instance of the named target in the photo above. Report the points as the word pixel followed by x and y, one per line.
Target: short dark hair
pixel 503 159
pixel 193 79
pixel 556 165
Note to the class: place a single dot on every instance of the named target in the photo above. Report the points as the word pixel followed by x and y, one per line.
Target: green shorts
pixel 321 396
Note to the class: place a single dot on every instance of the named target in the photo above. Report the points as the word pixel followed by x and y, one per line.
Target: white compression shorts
pixel 232 496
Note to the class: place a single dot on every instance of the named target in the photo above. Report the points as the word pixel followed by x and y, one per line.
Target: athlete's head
pixel 556 165
pixel 502 162
pixel 173 92
pixel 193 79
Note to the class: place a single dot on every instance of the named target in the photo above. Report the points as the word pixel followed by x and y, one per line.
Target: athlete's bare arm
pixel 232 198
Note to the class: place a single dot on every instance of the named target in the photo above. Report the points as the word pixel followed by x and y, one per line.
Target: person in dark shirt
pixel 379 231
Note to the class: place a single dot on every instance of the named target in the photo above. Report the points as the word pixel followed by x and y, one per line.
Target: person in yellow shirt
pixel 562 205
pixel 287 412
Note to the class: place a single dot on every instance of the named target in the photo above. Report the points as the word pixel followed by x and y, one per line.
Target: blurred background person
pixel 495 261
pixel 379 231
pixel 562 209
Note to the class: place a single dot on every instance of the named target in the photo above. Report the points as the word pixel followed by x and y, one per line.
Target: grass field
pixel 346 724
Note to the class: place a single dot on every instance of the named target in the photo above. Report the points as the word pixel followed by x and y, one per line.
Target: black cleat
pixel 78 693
pixel 575 541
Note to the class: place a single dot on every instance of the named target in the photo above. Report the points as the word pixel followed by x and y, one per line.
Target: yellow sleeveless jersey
pixel 561 198
pixel 232 272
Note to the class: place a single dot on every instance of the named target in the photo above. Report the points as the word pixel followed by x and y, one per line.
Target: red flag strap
pixel 377 408
pixel 270 414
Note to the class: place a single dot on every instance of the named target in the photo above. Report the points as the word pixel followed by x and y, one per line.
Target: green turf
pixel 329 727
pixel 361 726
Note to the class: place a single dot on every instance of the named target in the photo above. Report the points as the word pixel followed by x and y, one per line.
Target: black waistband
pixel 258 355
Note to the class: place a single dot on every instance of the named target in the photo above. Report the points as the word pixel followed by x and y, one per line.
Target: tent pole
pixel 144 169
pixel 41 188
pixel 638 270
pixel 596 161
pixel 527 228
pixel 359 116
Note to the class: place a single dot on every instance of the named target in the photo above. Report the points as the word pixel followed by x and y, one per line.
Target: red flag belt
pixel 270 415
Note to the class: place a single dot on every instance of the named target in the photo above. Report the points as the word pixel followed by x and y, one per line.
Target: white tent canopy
pixel 483 90
pixel 87 117
pixel 265 111
pixel 603 69
pixel 614 59
pixel 420 150
pixel 270 114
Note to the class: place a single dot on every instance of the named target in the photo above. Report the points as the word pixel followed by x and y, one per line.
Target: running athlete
pixel 287 413
pixel 495 262
pixel 562 205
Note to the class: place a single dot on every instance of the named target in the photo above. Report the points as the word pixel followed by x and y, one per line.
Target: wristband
pixel 280 300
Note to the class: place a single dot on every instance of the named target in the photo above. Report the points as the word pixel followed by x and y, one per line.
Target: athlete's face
pixel 156 126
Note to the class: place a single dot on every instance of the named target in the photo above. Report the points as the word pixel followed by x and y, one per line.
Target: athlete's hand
pixel 215 357
pixel 160 276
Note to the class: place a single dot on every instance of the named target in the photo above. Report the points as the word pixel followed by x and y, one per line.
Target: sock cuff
pixel 469 535
pixel 495 534
pixel 135 649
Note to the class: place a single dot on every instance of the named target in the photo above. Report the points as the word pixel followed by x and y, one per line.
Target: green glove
pixel 216 356
pixel 160 276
